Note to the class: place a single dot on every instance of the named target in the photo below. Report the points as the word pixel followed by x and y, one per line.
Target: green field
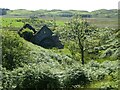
pixel 98 22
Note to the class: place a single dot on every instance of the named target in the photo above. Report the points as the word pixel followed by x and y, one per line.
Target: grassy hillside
pixel 26 65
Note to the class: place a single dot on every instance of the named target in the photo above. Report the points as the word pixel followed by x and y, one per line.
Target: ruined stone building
pixel 44 37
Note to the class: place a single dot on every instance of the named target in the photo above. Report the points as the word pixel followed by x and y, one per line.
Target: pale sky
pixel 88 5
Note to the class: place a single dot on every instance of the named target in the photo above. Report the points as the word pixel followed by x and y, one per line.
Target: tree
pixel 78 31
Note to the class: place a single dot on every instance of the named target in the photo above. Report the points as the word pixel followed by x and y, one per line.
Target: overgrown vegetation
pixel 28 66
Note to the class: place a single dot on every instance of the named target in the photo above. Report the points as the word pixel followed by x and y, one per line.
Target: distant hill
pixel 102 13
pixel 113 13
pixel 3 11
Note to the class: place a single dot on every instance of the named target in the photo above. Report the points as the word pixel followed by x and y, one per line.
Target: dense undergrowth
pixel 25 65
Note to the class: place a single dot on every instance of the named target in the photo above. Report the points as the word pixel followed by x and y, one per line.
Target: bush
pixel 76 76
pixel 30 77
pixel 15 51
pixel 46 77
pixel 98 72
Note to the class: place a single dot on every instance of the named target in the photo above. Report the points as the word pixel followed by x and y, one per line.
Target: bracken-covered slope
pixel 26 65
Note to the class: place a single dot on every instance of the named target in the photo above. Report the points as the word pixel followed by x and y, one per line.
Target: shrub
pixel 30 77
pixel 77 76
pixel 15 51
pixel 97 71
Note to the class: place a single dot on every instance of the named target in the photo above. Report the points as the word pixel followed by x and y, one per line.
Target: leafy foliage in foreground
pixel 14 49
pixel 30 77
pixel 43 76
pixel 46 69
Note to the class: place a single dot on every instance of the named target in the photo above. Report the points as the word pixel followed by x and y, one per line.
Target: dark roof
pixel 45 28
